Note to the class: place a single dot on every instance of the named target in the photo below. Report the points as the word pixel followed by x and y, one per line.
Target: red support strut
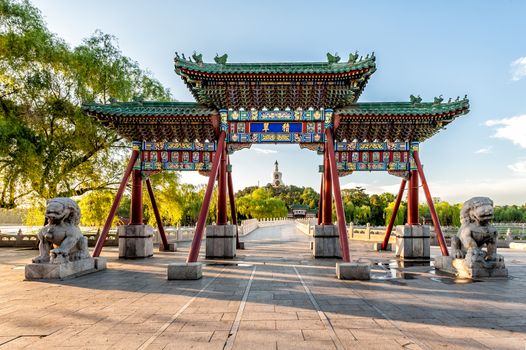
pixel 157 215
pixel 115 205
pixel 434 216
pixel 136 198
pixel 327 191
pixel 221 192
pixel 231 199
pixel 412 199
pixel 340 214
pixel 394 214
pixel 320 203
pixel 201 221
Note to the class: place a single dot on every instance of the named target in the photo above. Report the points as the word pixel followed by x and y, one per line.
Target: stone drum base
pixel 64 270
pixel 185 271
pixel 221 241
pixel 326 242
pixel 412 242
pixel 461 268
pixel 135 241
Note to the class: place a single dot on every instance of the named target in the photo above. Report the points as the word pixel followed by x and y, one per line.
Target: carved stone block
pixel 172 247
pixel 185 271
pixel 377 246
pixel 221 241
pixel 353 271
pixel 412 241
pixel 135 241
pixel 326 242
pixel 74 268
pixel 464 269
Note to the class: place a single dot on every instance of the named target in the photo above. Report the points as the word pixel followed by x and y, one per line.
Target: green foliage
pixel 260 204
pixel 510 213
pixel 35 215
pixel 362 215
pixel 48 147
pixel 95 206
pixel 400 216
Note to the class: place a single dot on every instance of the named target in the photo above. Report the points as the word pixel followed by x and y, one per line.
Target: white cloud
pixel 513 129
pixel 264 150
pixel 518 68
pixel 519 167
pixel 484 150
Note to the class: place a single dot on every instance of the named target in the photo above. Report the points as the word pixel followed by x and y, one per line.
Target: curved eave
pixel 396 121
pixel 157 121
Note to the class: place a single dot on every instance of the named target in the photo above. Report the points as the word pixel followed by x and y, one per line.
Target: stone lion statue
pixel 61 240
pixel 475 232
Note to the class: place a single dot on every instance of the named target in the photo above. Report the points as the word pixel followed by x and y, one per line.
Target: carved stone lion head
pixel 477 210
pixel 62 209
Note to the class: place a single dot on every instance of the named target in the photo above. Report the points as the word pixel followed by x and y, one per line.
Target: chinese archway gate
pixel 314 105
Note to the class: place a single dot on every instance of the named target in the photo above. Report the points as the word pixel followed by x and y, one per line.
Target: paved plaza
pixel 272 296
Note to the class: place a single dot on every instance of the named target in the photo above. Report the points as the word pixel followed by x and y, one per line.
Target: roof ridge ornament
pixel 353 57
pixel 333 58
pixel 438 100
pixel 198 58
pixel 221 59
pixel 415 99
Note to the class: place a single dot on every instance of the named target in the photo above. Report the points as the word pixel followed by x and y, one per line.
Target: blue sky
pixel 429 48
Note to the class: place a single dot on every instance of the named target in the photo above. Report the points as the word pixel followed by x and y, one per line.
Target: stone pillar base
pixel 378 247
pixel 221 241
pixel 185 271
pixel 326 242
pixel 172 247
pixel 353 271
pixel 412 242
pixel 64 270
pixel 135 241
pixel 463 269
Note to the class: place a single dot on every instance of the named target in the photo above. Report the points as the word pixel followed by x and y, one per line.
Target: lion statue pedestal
pixel 468 259
pixel 62 247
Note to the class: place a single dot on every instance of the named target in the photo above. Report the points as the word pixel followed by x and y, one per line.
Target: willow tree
pixel 48 147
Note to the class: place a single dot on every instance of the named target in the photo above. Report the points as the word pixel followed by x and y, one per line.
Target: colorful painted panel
pixel 178 156
pixel 276 126
pixel 177 146
pixel 279 115
pixel 374 160
pixel 372 146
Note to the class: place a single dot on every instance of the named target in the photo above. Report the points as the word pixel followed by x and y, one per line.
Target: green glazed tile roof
pixel 150 108
pixel 403 108
pixel 275 68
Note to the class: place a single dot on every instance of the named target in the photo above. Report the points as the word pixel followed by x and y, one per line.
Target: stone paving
pixel 274 297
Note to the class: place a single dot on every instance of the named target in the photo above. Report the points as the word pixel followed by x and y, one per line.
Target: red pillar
pixel 434 216
pixel 340 214
pixel 393 216
pixel 231 199
pixel 157 215
pixel 412 199
pixel 221 194
pixel 136 198
pixel 201 221
pixel 320 202
pixel 327 190
pixel 115 204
